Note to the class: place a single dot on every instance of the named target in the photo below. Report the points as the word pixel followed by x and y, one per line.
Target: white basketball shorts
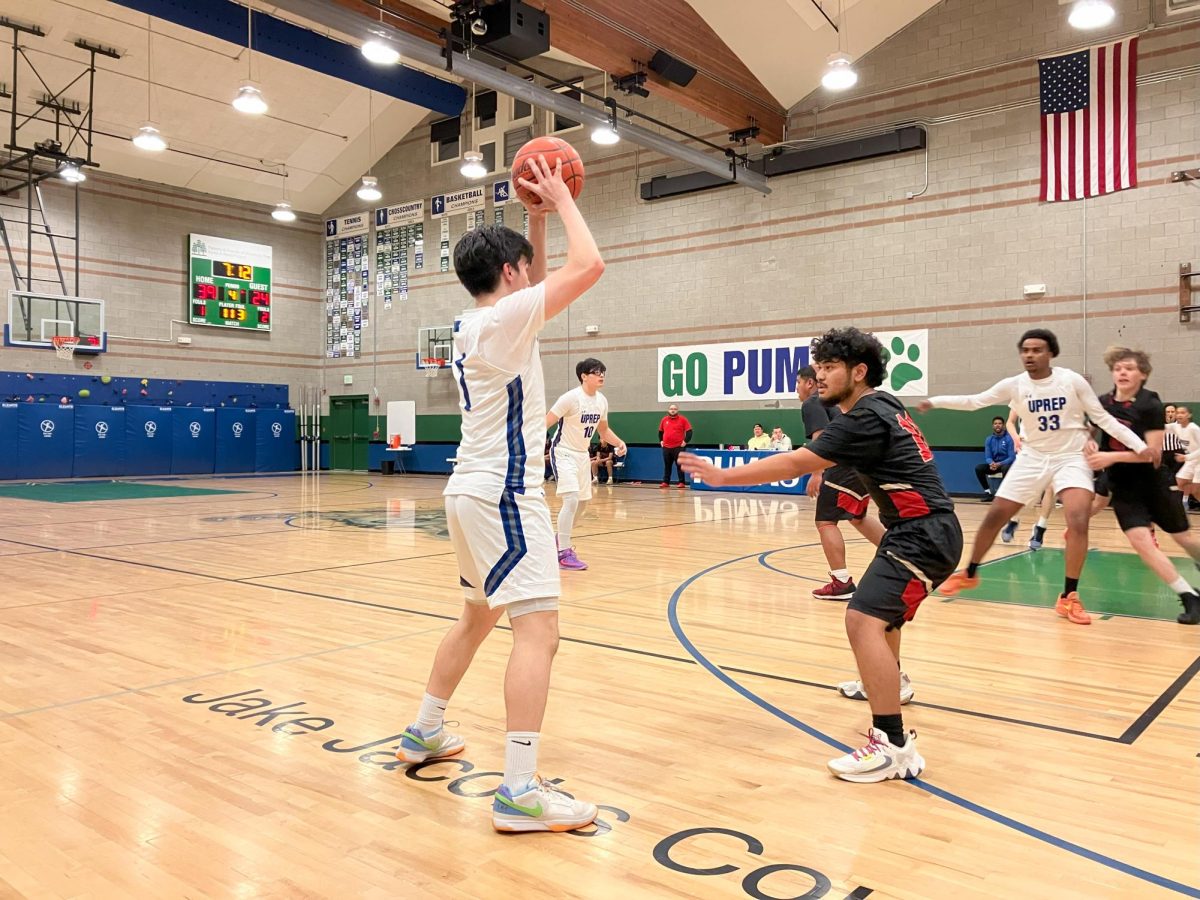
pixel 1033 472
pixel 573 471
pixel 505 548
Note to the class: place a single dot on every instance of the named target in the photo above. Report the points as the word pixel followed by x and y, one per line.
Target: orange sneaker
pixel 1071 609
pixel 959 581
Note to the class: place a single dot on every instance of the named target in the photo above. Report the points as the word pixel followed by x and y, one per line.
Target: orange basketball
pixel 553 149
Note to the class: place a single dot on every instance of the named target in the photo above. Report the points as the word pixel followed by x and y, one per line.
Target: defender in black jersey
pixel 841 496
pixel 1141 491
pixel 877 438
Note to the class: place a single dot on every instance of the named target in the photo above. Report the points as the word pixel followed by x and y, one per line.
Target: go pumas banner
pixel 766 369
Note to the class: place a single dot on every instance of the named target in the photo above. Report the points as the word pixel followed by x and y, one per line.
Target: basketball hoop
pixel 431 365
pixel 64 345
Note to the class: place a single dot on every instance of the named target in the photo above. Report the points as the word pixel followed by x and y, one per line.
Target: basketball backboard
pixel 435 342
pixel 35 319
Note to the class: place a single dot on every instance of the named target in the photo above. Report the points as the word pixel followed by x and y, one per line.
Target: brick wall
pixel 133 255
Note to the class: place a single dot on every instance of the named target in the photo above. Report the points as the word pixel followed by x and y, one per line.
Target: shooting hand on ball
pixel 547 185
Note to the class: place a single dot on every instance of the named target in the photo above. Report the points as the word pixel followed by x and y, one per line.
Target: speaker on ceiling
pixel 672 69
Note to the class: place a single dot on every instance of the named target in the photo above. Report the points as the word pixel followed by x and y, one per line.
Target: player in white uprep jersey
pixel 495 506
pixel 1052 405
pixel 581 414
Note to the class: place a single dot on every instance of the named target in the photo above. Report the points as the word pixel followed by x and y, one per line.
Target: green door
pixel 349 433
pixel 361 436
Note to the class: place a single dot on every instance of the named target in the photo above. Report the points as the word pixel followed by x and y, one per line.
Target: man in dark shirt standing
pixel 877 438
pixel 674 433
pixel 1140 491
pixel 841 496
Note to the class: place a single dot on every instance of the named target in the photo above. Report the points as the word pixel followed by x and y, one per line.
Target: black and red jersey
pixel 1141 415
pixel 881 442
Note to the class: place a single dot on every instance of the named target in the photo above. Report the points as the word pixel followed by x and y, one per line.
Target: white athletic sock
pixel 1180 586
pixel 433 710
pixel 520 758
pixel 1042 522
pixel 566 519
pixel 841 574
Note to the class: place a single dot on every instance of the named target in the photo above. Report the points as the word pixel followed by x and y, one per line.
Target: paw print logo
pixel 903 363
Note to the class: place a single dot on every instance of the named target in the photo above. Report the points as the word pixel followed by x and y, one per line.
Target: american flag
pixel 1089 121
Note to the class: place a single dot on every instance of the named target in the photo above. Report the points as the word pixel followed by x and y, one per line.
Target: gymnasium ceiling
pixel 755 58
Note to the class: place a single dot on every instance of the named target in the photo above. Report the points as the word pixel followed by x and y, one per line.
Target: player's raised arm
pixel 584 265
pixel 1000 393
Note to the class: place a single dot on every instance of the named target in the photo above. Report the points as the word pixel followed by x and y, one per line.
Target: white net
pixel 64 347
pixel 431 366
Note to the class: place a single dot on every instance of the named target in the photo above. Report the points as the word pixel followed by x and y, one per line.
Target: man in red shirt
pixel 674 433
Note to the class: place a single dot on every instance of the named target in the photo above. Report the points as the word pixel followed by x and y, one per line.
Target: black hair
pixel 806 373
pixel 852 347
pixel 480 255
pixel 996 419
pixel 758 424
pixel 1041 334
pixel 589 366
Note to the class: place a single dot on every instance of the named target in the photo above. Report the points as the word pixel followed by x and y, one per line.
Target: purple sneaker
pixel 568 560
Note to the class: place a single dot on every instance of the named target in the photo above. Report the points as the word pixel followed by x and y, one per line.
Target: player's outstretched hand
pixel 546 184
pixel 924 406
pixel 702 469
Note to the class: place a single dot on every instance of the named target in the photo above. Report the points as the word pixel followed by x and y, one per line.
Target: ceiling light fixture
pixel 249 99
pixel 150 139
pixel 472 166
pixel 839 74
pixel 283 212
pixel 1088 14
pixel 378 48
pixel 607 134
pixel 72 173
pixel 380 52
pixel 369 189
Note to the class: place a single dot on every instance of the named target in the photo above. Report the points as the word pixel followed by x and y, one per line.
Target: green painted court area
pixel 1112 583
pixel 83 491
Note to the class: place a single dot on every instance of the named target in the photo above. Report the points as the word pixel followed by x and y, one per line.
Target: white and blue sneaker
pixel 1009 532
pixel 417 747
pixel 539 807
pixel 879 760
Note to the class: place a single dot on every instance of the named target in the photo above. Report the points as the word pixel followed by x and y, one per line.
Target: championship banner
pixel 409 213
pixel 766 369
pixel 347 226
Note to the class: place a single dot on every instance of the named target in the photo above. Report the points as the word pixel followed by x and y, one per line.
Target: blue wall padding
pixel 193 441
pixel 237 440
pixel 99 441
pixel 276 436
pixel 45 440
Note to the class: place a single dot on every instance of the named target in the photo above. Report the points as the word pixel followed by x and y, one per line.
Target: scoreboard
pixel 230 283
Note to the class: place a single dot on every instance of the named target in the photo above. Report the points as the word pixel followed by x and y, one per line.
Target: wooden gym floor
pixel 692 697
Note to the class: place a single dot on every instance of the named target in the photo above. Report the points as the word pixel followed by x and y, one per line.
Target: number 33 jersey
pixel 1053 411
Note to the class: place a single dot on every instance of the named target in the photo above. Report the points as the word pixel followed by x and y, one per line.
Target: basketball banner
pixel 766 369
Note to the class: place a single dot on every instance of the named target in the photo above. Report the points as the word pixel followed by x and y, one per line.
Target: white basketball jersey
pixel 502 396
pixel 580 416
pixel 1053 411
